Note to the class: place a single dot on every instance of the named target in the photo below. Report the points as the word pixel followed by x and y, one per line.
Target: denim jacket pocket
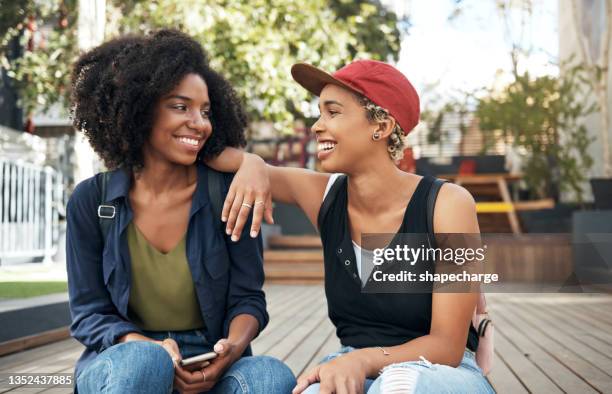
pixel 217 263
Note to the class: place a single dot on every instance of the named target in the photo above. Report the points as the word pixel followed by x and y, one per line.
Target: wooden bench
pixel 545 343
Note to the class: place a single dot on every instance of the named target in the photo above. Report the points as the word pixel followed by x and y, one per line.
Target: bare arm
pixel 256 181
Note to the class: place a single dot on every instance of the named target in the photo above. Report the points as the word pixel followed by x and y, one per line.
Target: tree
pixel 47 34
pixel 253 43
pixel 541 117
pixel 377 28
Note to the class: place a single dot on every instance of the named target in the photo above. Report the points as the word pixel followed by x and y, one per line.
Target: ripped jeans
pixel 421 377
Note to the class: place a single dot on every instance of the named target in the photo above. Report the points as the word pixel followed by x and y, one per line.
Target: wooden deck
pixel 546 343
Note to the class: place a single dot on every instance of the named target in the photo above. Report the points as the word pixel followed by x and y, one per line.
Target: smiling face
pixel 182 123
pixel 344 134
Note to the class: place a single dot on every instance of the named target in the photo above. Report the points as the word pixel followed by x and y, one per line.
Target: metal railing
pixel 31 201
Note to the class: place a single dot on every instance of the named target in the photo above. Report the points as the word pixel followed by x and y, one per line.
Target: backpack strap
pixel 329 199
pixel 431 205
pixel 106 213
pixel 215 194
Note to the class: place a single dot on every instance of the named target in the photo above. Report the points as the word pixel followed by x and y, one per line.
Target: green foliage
pixel 42 73
pixel 541 117
pixel 375 27
pixel 253 43
pixel 13 13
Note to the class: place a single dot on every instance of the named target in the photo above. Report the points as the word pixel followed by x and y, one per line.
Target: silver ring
pixel 244 204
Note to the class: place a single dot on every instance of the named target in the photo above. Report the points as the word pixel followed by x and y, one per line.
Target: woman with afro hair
pixel 152 278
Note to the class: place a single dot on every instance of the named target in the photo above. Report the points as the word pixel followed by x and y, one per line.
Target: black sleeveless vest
pixel 372 319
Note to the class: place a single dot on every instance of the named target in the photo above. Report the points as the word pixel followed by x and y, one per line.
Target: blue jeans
pixel 145 367
pixel 422 377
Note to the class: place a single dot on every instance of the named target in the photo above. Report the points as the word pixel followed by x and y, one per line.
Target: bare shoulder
pixel 455 210
pixel 454 195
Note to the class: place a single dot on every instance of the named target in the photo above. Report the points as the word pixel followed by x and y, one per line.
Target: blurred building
pixel 591 18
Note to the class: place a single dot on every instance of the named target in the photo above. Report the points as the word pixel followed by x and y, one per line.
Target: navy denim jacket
pixel 99 275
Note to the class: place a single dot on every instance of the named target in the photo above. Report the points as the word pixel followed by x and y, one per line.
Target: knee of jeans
pixel 129 366
pixel 146 361
pixel 276 366
pixel 398 379
pixel 279 375
pixel 263 374
pixel 95 378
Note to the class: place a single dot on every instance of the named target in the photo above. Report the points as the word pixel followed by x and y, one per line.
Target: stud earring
pixel 376 136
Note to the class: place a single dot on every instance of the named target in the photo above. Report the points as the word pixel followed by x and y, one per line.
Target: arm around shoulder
pixel 256 181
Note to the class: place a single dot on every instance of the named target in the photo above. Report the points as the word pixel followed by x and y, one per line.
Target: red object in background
pixel 31 26
pixel 467 167
pixel 407 164
pixel 63 17
pixel 29 125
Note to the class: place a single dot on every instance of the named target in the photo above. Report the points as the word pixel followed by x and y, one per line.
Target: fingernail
pixel 253 234
pixel 223 219
pixel 228 231
pixel 234 238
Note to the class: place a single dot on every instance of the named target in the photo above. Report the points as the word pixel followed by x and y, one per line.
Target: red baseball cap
pixel 380 82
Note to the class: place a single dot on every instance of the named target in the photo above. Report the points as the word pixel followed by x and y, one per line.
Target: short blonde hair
pixel 397 140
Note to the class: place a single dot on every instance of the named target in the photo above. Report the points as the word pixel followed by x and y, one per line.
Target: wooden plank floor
pixel 545 343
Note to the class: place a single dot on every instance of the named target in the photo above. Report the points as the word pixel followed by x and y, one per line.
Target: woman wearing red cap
pixel 391 342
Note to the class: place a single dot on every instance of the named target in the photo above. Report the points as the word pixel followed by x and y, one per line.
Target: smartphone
pixel 198 359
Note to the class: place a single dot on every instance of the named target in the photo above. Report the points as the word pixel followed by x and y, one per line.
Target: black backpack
pixel 107 213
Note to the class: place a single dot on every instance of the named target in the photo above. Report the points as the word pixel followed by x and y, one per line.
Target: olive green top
pixel 162 293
